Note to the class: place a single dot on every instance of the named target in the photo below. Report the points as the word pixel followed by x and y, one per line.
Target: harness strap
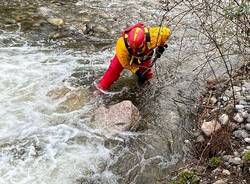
pixel 147 37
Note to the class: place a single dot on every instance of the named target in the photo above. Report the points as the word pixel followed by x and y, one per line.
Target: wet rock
pixel 197 133
pixel 235 160
pixel 244 114
pixel 241 134
pixel 247 126
pixel 224 98
pixel 226 172
pixel 10 21
pixel 200 138
pixel 220 182
pixel 248 98
pixel 117 118
pixel 228 92
pixel 236 153
pixel 86 19
pixel 239 107
pixel 247 85
pixel 209 127
pixel 213 100
pixel 224 119
pixel 242 126
pixel 237 89
pixel 248 118
pixel 238 118
pixel 242 102
pixel 216 171
pixel 69 99
pixel 74 101
pixel 234 126
pixel 58 92
pixel 227 164
pixel 247 140
pixel 55 21
pixel 55 35
pixel 45 12
pixel 100 29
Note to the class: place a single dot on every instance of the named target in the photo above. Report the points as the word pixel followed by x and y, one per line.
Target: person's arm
pixel 124 56
pixel 159 36
pixel 110 75
pixel 158 39
pixel 159 50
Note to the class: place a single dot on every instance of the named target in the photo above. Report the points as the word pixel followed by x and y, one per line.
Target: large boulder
pixel 123 116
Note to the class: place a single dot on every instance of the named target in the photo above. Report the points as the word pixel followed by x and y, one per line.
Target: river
pixel 41 144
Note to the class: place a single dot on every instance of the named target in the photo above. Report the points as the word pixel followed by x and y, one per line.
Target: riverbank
pixel 220 146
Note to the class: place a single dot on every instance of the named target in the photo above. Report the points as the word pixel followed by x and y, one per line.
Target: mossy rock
pixel 215 161
pixel 186 177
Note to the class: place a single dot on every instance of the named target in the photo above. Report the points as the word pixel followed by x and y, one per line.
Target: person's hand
pixel 141 77
pixel 96 93
pixel 160 50
pixel 96 90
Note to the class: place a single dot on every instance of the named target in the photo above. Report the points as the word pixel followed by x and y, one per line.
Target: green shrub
pixel 246 155
pixel 215 162
pixel 186 177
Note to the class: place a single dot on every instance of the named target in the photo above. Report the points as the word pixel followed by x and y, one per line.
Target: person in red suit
pixel 134 51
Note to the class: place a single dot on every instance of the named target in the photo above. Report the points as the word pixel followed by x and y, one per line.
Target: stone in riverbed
pixel 235 160
pixel 239 107
pixel 220 181
pixel 55 21
pixel 244 114
pixel 226 172
pixel 238 118
pixel 247 126
pixel 247 140
pixel 248 98
pixel 209 127
pixel 69 99
pixel 241 134
pixel 213 100
pixel 117 118
pixel 248 118
pixel 200 138
pixel 224 119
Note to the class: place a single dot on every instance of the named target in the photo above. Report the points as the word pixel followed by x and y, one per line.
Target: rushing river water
pixel 41 144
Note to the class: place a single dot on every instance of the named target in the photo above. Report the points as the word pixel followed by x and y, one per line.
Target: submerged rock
pixel 69 99
pixel 55 21
pixel 117 118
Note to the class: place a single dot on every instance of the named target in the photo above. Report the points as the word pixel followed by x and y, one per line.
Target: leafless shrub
pixel 222 28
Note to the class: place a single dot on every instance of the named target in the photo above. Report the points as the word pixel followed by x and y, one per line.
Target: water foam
pixel 37 144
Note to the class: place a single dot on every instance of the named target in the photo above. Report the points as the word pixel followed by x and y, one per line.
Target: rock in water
pixel 117 118
pixel 55 21
pixel 69 99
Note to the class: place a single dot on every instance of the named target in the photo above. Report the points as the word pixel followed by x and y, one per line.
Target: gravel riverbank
pixel 221 143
